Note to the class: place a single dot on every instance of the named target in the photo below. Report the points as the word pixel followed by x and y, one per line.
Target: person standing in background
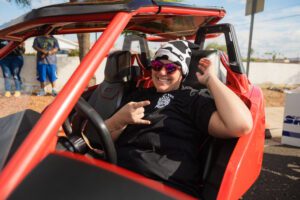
pixel 46 47
pixel 11 66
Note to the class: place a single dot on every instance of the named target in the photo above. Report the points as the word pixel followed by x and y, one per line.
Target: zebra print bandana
pixel 178 52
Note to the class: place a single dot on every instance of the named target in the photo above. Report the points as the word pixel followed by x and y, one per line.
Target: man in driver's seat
pixel 158 131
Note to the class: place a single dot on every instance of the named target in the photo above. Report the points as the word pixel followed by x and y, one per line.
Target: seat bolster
pixel 214 55
pixel 117 67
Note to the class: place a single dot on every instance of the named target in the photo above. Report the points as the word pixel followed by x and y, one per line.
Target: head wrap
pixel 178 52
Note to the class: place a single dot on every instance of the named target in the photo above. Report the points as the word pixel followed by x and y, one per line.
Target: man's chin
pixel 163 89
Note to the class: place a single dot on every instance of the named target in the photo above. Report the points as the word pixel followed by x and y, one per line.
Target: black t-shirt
pixel 167 150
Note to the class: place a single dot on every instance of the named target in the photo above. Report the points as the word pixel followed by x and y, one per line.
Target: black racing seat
pixel 118 82
pixel 215 153
pixel 191 79
pixel 14 130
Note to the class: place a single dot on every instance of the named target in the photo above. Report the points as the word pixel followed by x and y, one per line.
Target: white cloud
pixel 274 31
pixel 291 10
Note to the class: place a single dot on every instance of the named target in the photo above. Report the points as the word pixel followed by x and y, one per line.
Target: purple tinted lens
pixel 170 67
pixel 156 65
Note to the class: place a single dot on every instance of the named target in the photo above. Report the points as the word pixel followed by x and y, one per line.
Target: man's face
pixel 47 35
pixel 164 81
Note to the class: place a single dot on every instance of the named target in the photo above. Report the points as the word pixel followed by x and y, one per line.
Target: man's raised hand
pixel 133 113
pixel 207 68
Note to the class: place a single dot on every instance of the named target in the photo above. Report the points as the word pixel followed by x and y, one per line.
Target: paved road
pixel 280 175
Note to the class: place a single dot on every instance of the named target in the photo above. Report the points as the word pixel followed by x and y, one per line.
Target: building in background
pixel 295 60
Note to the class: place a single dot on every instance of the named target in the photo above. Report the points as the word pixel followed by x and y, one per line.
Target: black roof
pixel 93 16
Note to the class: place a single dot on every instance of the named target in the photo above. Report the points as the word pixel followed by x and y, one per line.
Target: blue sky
pixel 277 29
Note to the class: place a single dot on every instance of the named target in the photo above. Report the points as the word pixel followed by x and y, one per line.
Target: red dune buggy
pixel 39 162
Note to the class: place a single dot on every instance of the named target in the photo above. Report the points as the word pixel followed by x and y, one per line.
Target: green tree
pixel 84 41
pixel 23 3
pixel 273 54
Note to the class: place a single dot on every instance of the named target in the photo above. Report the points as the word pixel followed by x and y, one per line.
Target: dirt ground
pixel 274 96
pixel 12 104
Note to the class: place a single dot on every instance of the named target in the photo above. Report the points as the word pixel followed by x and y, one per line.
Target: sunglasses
pixel 158 65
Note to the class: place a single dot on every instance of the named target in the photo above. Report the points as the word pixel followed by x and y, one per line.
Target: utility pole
pixel 252 7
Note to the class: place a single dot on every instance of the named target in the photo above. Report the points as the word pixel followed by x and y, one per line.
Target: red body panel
pixel 248 151
pixel 238 177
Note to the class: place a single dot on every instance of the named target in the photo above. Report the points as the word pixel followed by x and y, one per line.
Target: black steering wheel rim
pixel 88 112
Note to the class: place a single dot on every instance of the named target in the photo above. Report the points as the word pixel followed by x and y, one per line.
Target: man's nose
pixel 163 71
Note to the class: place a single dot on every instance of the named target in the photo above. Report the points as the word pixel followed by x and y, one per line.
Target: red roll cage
pixel 42 137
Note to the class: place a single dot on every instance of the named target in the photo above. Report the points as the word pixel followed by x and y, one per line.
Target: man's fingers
pixel 141 104
pixel 201 68
pixel 204 62
pixel 140 110
pixel 143 121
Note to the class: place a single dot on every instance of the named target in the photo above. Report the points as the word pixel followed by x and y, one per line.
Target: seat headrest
pixel 191 79
pixel 117 67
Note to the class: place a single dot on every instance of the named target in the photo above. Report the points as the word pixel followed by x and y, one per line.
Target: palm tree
pixel 83 42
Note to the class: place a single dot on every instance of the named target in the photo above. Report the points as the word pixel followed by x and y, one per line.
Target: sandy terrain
pixel 273 97
pixel 12 104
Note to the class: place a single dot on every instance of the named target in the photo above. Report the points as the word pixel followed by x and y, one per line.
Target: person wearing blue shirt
pixel 46 47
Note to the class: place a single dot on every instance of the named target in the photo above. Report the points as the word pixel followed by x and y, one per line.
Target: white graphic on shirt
pixel 164 100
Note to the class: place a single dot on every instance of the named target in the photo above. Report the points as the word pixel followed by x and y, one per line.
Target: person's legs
pixel 52 75
pixel 53 84
pixel 6 75
pixel 54 91
pixel 16 64
pixel 42 91
pixel 21 66
pixel 21 63
pixel 41 69
pixel 42 84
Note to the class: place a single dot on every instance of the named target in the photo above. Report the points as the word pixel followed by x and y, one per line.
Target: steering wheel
pixel 86 112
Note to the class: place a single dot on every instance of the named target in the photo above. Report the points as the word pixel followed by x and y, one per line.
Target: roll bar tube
pixel 4 51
